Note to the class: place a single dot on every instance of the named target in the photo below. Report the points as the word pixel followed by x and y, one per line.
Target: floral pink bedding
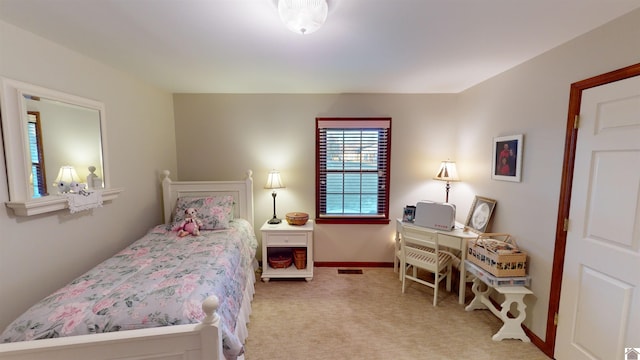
pixel 159 280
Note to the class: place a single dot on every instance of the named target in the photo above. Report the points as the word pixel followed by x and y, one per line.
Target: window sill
pixel 364 221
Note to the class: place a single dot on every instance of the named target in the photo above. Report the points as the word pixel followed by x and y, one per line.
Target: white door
pixel 599 311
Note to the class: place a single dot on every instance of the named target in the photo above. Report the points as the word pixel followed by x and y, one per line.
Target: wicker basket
pixel 280 261
pixel 501 258
pixel 297 218
pixel 300 258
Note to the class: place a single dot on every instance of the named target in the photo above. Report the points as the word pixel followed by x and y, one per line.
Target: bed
pixel 202 286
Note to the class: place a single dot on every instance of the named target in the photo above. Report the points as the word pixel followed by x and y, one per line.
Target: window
pixel 38 176
pixel 353 158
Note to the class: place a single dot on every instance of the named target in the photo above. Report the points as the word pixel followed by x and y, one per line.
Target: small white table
pixel 512 328
pixel 284 236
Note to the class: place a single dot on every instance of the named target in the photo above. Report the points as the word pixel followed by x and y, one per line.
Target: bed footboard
pixel 192 342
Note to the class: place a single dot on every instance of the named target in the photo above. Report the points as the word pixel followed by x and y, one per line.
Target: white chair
pixel 398 264
pixel 398 261
pixel 421 251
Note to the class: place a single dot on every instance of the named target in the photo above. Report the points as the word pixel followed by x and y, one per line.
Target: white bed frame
pixel 180 342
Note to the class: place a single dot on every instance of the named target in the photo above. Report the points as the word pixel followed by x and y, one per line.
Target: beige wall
pixel 219 136
pixel 41 253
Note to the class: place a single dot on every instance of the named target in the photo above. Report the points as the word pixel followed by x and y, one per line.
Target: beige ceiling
pixel 366 46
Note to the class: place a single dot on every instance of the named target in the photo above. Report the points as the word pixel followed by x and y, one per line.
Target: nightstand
pixel 285 238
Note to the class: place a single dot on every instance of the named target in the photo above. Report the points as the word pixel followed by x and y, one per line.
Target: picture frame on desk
pixel 409 213
pixel 480 214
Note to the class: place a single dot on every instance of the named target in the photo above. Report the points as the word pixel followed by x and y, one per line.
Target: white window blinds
pixel 353 162
pixel 35 150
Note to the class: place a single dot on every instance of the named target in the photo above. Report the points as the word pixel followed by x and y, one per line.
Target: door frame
pixel 571 138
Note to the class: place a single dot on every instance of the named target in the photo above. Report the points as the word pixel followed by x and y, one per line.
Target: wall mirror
pixel 45 131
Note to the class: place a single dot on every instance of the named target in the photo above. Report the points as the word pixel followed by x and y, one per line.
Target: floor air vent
pixel 349 271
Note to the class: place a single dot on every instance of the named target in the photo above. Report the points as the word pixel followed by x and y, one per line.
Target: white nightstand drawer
pixel 287 240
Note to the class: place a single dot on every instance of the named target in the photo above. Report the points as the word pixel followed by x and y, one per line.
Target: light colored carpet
pixel 366 316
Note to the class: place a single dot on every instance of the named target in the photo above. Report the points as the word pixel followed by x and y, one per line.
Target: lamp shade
pixel 274 181
pixel 303 16
pixel 447 171
pixel 67 174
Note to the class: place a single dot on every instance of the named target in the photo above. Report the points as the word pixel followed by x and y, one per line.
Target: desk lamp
pixel 448 173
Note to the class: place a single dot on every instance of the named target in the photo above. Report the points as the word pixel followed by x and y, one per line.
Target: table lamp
pixel 448 173
pixel 66 175
pixel 274 182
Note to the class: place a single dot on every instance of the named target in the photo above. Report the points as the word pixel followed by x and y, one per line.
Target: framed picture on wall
pixel 507 158
pixel 480 214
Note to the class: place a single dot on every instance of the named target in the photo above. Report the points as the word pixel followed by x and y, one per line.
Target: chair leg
pixel 401 269
pixel 404 270
pixel 449 278
pixel 436 281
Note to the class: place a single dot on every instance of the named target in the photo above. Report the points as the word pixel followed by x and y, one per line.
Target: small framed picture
pixel 480 214
pixel 507 158
pixel 409 213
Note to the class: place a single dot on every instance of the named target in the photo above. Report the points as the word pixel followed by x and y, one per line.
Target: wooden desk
pixel 456 240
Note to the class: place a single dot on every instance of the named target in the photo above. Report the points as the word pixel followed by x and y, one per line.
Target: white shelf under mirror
pixel 52 203
pixel 63 129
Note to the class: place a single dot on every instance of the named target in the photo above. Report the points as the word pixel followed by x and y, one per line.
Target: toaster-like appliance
pixel 435 215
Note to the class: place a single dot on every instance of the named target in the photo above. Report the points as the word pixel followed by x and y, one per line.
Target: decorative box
pixel 494 280
pixel 499 257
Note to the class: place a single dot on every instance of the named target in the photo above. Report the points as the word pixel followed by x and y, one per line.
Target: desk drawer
pixel 286 239
pixel 421 234
pixel 451 241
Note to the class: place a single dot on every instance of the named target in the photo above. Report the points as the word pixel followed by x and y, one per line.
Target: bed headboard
pixel 241 190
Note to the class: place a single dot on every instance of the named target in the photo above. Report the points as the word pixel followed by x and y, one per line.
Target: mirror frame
pixel 14 115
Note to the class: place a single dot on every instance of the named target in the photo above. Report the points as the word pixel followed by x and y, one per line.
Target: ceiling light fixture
pixel 303 16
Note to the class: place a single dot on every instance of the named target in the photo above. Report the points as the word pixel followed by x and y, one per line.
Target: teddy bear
pixel 76 187
pixel 70 187
pixel 63 187
pixel 190 225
